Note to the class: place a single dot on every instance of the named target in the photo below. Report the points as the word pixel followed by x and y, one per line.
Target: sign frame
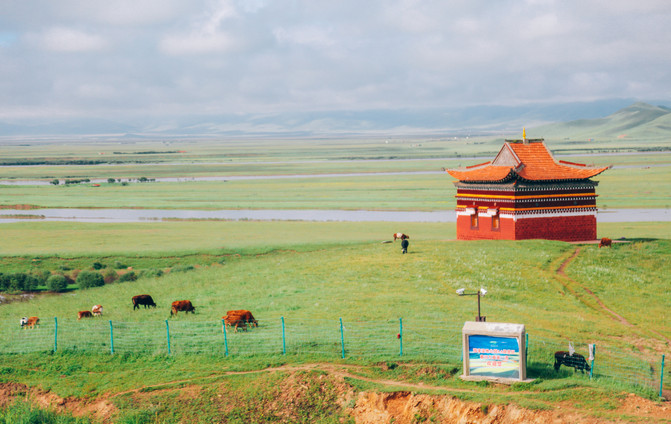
pixel 494 351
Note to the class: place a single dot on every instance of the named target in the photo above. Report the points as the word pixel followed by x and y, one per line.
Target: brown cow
pixel 31 322
pixel 401 236
pixel 605 242
pixel 239 318
pixel 97 310
pixel 84 314
pixel 143 299
pixel 182 305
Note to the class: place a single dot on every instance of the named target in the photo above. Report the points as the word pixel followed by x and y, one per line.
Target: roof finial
pixel 524 135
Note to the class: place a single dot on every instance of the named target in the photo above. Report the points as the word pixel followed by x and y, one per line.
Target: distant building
pixel 525 193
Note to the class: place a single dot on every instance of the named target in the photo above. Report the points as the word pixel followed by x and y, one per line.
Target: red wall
pixel 565 228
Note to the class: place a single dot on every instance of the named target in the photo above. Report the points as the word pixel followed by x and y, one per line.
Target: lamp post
pixel 479 293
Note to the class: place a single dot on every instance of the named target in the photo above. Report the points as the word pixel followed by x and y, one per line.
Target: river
pixel 157 215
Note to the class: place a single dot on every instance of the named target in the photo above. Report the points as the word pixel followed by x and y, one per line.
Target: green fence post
pixel 284 339
pixel 111 338
pixel 167 330
pixel 591 371
pixel 55 334
pixel 661 377
pixel 342 339
pixel 526 348
pixel 223 326
pixel 400 335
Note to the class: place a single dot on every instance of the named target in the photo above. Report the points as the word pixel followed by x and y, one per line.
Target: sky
pixel 130 59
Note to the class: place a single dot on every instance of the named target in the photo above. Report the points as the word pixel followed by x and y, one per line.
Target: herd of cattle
pixel 237 319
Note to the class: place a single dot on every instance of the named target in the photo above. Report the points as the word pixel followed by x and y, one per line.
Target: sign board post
pixel 494 351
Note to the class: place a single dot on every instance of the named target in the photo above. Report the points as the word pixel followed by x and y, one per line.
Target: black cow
pixel 576 361
pixel 143 299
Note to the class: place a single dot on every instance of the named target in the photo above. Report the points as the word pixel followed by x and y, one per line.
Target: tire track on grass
pixel 562 275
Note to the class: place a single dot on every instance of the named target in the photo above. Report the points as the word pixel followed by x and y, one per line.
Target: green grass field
pixel 312 274
pixel 369 285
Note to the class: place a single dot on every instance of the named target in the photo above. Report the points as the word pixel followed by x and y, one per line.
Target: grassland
pixel 638 179
pixel 359 281
pixel 314 273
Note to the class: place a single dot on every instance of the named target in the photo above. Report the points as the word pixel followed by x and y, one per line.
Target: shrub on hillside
pixel 74 274
pixel 98 265
pixel 120 265
pixel 41 276
pixel 110 276
pixel 18 282
pixel 151 273
pixel 88 279
pixel 129 276
pixel 57 283
pixel 182 268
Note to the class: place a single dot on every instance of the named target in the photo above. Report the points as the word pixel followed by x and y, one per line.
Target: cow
pixel 605 242
pixel 400 236
pixel 183 306
pixel 84 314
pixel 97 310
pixel 240 318
pixel 577 361
pixel 31 322
pixel 143 299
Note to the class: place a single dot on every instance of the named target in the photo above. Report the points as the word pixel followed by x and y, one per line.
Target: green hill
pixel 640 121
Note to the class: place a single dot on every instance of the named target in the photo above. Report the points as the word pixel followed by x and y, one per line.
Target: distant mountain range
pixel 605 118
pixel 639 121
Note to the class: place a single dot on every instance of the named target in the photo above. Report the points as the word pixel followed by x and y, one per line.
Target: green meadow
pixel 311 284
pixel 309 275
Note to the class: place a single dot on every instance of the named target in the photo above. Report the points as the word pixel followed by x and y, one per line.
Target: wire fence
pixel 329 339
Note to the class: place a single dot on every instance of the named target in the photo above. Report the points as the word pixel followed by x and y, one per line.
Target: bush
pixel 152 272
pixel 57 283
pixel 41 275
pixel 182 268
pixel 88 279
pixel 129 276
pixel 110 181
pixel 18 282
pixel 110 276
pixel 98 265
pixel 120 265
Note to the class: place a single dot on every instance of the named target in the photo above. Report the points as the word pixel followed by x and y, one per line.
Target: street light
pixel 479 293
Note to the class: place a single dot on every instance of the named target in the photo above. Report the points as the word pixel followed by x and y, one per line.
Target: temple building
pixel 525 193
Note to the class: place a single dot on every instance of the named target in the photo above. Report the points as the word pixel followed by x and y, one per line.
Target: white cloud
pixel 68 40
pixel 206 33
pixel 193 56
pixel 197 44
pixel 305 35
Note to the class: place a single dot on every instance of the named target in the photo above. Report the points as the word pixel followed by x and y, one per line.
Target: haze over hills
pixel 586 120
pixel 640 121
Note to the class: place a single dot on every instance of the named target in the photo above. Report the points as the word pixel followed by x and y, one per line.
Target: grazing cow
pixel 183 306
pixel 239 318
pixel 84 314
pixel 31 322
pixel 577 361
pixel 143 299
pixel 97 310
pixel 401 236
pixel 605 242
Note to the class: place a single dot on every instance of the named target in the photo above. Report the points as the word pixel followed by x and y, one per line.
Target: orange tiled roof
pixel 530 161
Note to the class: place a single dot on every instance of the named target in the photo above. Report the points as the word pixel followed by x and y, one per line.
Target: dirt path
pixel 562 274
pixel 338 370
